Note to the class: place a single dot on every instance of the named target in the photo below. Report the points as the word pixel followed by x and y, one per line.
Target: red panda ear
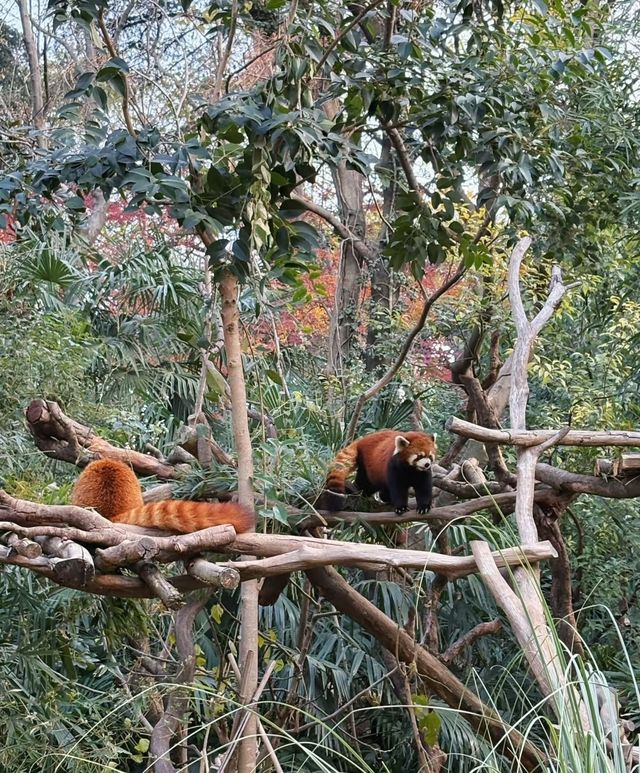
pixel 434 436
pixel 401 442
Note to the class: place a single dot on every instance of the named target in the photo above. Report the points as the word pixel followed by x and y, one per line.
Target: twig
pixel 356 20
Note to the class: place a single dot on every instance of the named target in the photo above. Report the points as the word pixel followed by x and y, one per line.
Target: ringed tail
pixel 185 517
pixel 342 466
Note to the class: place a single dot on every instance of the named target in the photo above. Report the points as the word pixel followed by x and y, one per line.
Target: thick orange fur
pixel 372 453
pixel 111 487
pixel 108 486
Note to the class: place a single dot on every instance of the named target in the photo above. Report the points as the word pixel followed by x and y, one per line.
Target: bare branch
pixel 178 700
pixel 23 546
pixel 289 554
pixel 61 437
pixel 70 561
pixel 564 480
pixel 535 437
pixel 158 583
pixel 217 576
pixel 345 30
pixel 478 631
pixel 35 78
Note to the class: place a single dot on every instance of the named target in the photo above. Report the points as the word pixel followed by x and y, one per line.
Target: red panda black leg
pixel 363 483
pixel 398 493
pixel 384 495
pixel 333 501
pixel 423 487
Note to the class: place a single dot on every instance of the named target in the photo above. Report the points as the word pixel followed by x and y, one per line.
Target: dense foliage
pixel 304 146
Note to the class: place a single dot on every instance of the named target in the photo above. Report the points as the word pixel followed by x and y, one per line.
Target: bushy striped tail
pixel 342 466
pixel 185 517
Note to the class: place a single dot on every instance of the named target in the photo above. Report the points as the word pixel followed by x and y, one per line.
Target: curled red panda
pixel 111 487
pixel 389 462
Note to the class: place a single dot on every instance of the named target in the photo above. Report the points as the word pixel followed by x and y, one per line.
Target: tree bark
pixel 344 318
pixel 524 607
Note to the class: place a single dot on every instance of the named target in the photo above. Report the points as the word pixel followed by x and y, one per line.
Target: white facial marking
pixel 424 464
pixel 412 458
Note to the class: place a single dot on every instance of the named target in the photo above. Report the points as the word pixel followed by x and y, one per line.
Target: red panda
pixel 389 462
pixel 111 487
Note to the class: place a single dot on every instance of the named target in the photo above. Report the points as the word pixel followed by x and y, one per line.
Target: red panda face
pixel 417 452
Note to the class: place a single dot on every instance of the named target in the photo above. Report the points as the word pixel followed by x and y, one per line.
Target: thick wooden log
pixel 23 546
pixel 71 562
pixel 216 575
pixel 160 585
pixel 627 464
pixel 164 548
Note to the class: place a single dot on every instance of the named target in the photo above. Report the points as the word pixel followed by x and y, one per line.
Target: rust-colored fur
pixel 385 461
pixel 111 487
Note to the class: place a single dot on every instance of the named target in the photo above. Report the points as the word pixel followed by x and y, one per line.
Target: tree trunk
pixel 348 185
pixel 347 299
pixel 248 649
pixel 35 76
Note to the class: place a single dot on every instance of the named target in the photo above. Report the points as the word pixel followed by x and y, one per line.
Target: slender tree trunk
pixel 347 300
pixel 248 649
pixel 35 76
pixel 349 187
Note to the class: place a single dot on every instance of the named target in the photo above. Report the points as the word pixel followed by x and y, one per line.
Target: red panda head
pixel 416 449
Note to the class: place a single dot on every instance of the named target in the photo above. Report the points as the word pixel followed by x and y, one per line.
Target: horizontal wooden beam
pixel 535 437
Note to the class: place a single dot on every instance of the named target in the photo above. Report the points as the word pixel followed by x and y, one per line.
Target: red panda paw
pixel 423 510
pixel 401 510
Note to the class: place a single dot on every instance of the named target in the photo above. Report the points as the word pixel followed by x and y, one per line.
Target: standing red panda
pixel 389 462
pixel 111 487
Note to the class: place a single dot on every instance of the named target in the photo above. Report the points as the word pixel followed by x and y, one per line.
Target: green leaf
pixel 241 250
pixel 430 725
pixel 142 746
pixel 110 69
pixel 274 376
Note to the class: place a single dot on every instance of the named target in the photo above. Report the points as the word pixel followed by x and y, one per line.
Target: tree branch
pixel 338 226
pixel 477 632
pixel 535 437
pixel 60 437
